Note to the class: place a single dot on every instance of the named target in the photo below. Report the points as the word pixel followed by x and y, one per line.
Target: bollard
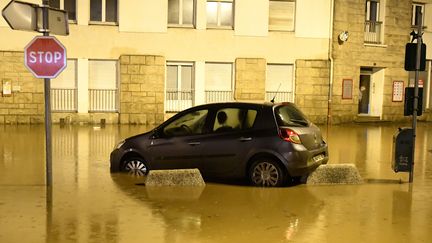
pixel 183 177
pixel 335 174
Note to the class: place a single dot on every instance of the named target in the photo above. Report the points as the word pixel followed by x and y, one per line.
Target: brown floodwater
pixel 89 204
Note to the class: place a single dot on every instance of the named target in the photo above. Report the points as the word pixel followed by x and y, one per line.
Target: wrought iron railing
pixel 64 100
pixel 279 96
pixel 102 100
pixel 212 96
pixel 176 101
pixel 373 32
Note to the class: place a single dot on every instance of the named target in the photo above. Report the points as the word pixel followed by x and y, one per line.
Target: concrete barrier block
pixel 335 174
pixel 184 177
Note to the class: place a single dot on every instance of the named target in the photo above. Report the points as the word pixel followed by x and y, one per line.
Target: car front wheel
pixel 135 166
pixel 266 173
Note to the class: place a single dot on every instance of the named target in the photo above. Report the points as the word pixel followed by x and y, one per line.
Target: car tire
pixel 135 166
pixel 267 173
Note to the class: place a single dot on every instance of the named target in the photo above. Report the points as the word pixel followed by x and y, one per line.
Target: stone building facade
pixel 370 60
pixel 27 105
pixel 330 78
pixel 142 89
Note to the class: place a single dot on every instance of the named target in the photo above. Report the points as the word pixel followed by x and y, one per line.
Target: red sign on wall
pixel 45 57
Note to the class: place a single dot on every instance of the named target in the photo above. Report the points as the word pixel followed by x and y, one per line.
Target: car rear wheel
pixel 266 173
pixel 135 166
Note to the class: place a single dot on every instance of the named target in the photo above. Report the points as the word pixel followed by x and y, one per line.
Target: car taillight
pixel 289 135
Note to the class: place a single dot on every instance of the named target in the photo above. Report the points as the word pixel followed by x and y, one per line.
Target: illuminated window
pixel 64 89
pixel 219 14
pixel 281 15
pixel 181 12
pixel 279 82
pixel 103 11
pixel 219 82
pixel 179 86
pixel 374 27
pixel 68 5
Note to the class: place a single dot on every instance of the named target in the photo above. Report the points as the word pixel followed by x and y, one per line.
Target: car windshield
pixel 289 115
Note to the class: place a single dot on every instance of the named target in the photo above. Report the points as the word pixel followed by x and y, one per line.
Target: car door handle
pixel 194 143
pixel 243 139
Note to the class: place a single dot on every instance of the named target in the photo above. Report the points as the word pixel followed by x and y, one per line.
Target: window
pixel 191 123
pixel 181 12
pixel 373 25
pixel 289 115
pixel 281 15
pixel 372 10
pixel 279 82
pixel 219 14
pixel 415 19
pixel 103 85
pixel 218 82
pixel 64 90
pixel 179 86
pixel 232 119
pixel 68 5
pixel 103 11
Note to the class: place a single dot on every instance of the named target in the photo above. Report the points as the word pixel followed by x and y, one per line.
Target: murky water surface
pixel 91 205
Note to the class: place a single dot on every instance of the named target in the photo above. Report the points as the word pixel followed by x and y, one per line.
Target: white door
pixel 377 92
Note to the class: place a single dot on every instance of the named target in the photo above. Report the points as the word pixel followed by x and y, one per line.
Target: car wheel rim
pixel 136 167
pixel 265 174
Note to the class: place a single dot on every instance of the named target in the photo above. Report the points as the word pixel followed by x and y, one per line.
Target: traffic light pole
pixel 416 91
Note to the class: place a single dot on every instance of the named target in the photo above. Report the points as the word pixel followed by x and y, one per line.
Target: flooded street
pixel 89 204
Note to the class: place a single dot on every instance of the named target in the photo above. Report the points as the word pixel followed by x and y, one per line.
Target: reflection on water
pixel 92 205
pixel 370 148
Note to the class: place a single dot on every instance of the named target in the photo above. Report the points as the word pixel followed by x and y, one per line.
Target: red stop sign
pixel 45 57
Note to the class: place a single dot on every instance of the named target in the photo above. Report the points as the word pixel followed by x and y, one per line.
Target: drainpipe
pixel 330 54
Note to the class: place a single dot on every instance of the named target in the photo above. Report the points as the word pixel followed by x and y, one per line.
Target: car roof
pixel 242 103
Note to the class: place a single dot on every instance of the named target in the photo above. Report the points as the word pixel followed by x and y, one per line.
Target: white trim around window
pixel 103 15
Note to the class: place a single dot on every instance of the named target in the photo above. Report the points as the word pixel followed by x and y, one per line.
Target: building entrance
pixel 371 90
pixel 364 90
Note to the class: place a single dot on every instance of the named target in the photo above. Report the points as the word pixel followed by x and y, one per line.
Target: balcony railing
pixel 373 32
pixel 279 96
pixel 212 96
pixel 64 100
pixel 178 100
pixel 102 100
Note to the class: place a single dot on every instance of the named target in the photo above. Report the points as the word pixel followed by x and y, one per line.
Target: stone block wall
pixel 250 79
pixel 312 89
pixel 142 81
pixel 350 56
pixel 26 103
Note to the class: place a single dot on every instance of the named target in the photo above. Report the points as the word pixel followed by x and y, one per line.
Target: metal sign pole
pixel 47 86
pixel 416 91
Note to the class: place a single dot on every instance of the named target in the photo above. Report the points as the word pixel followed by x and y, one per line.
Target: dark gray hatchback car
pixel 267 143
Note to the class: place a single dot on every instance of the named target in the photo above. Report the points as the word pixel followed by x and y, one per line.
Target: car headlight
pixel 119 144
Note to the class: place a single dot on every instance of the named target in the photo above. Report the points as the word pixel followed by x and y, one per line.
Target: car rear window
pixel 289 115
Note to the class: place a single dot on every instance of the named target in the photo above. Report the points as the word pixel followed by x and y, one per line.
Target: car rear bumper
pixel 300 163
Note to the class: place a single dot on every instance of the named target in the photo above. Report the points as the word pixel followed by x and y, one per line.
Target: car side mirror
pixel 156 134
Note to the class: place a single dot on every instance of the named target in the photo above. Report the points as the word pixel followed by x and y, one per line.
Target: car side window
pixel 231 119
pixel 191 123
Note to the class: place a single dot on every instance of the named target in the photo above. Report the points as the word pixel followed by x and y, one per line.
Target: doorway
pixel 364 91
pixel 371 91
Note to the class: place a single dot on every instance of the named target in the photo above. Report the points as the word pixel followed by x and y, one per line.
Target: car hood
pixel 140 136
